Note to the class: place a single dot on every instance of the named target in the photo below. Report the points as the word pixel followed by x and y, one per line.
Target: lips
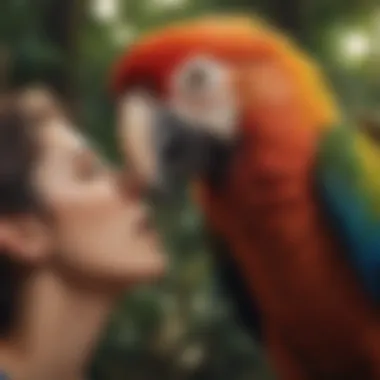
pixel 145 222
pixel 145 225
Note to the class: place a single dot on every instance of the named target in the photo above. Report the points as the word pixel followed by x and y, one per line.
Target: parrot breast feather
pixel 348 177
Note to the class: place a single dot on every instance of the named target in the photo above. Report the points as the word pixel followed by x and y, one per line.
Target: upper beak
pixel 162 149
pixel 181 150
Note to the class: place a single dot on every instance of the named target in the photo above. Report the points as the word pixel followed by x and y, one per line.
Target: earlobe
pixel 26 238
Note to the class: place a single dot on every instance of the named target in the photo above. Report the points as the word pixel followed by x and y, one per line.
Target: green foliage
pixel 180 328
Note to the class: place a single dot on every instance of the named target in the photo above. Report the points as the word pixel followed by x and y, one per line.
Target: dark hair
pixel 18 152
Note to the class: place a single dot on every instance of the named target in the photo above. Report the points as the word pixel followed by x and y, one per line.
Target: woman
pixel 73 237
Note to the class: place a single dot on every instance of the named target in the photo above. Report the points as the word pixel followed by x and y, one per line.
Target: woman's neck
pixel 60 326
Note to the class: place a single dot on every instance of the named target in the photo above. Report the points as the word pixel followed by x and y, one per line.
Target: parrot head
pixel 188 94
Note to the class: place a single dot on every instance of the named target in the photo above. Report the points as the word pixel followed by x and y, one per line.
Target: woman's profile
pixel 73 237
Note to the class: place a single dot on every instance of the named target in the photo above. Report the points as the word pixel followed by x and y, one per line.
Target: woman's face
pixel 99 228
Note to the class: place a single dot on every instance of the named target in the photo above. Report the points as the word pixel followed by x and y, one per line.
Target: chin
pixel 155 270
pixel 149 270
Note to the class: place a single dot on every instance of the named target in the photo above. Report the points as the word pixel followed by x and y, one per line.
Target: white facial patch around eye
pixel 203 94
pixel 136 120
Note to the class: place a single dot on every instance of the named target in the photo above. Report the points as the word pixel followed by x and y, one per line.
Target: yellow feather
pixel 368 154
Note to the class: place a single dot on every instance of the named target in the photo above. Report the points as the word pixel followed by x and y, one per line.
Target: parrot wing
pixel 234 287
pixel 348 180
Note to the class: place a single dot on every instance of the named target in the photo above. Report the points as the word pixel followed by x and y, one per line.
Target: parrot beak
pixel 162 148
pixel 182 150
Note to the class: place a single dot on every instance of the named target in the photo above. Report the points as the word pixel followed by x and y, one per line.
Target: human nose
pixel 129 185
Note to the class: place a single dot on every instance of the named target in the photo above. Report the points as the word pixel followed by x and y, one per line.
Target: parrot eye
pixel 199 75
pixel 203 95
pixel 196 78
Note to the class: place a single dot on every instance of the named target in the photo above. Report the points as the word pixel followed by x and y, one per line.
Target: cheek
pixel 86 202
pixel 85 216
pixel 97 240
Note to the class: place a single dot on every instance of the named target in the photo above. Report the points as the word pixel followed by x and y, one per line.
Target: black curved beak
pixel 181 152
pixel 186 151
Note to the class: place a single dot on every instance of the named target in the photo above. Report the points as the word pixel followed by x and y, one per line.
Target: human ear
pixel 26 238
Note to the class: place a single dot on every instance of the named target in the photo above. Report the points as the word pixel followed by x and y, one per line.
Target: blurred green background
pixel 181 328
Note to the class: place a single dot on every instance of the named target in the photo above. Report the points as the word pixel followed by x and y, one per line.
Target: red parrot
pixel 286 189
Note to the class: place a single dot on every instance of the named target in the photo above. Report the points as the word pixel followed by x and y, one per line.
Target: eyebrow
pixel 87 154
pixel 84 153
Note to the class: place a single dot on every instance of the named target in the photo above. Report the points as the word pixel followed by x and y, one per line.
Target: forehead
pixel 55 131
pixel 59 136
pixel 153 58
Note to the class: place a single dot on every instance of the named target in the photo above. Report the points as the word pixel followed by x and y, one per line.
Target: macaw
pixel 289 190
